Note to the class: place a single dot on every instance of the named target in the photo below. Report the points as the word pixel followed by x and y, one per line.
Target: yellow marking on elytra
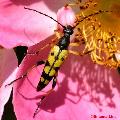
pixel 46 82
pixel 46 69
pixel 51 59
pixel 42 79
pixel 58 63
pixel 52 72
pixel 56 50
pixel 63 54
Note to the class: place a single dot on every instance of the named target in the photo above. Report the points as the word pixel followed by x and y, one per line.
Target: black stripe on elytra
pixel 46 76
pixel 56 68
pixel 47 63
pixel 42 85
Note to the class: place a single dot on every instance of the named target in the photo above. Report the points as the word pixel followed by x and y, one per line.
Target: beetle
pixel 56 57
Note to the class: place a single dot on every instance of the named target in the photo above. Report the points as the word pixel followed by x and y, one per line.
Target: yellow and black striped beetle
pixel 56 57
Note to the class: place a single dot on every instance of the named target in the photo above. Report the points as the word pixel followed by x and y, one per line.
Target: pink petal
pixel 84 90
pixel 24 27
pixel 8 71
pixel 66 16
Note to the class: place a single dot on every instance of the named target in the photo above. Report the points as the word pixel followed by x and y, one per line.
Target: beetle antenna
pixel 93 14
pixel 45 15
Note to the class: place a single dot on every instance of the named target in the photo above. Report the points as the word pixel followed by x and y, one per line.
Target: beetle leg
pixel 74 44
pixel 38 63
pixel 53 41
pixel 43 97
pixel 79 53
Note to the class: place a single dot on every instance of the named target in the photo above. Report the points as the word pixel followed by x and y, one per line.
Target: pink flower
pixel 8 65
pixel 84 90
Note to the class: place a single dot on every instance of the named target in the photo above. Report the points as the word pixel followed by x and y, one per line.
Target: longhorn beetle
pixel 56 57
